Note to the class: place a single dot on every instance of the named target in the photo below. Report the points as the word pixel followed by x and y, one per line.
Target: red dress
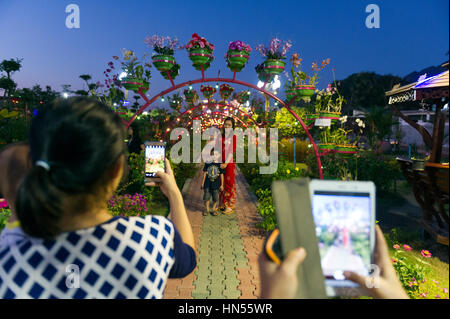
pixel 228 195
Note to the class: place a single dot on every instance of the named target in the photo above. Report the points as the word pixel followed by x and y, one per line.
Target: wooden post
pixel 438 133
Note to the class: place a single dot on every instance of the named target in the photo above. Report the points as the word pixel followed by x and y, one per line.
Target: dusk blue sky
pixel 412 35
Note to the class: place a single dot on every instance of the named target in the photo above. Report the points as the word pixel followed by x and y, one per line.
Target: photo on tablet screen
pixel 154 159
pixel 343 227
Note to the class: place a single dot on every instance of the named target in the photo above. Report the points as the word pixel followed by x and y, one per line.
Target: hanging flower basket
pixel 334 116
pixel 174 72
pixel 237 59
pixel 190 95
pixel 274 66
pixel 289 94
pixel 237 55
pixel 304 92
pixel 243 97
pixel 134 84
pixel 225 91
pixel 311 118
pixel 199 57
pixel 346 150
pixel 208 91
pixel 163 63
pixel 326 147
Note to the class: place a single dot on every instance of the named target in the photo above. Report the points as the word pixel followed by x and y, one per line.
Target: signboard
pixel 323 122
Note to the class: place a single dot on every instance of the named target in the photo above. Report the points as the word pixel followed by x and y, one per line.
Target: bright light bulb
pixel 122 75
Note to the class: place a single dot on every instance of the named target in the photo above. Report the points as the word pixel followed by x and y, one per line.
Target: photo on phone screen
pixel 154 159
pixel 343 228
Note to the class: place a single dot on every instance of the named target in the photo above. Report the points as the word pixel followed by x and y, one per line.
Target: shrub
pixel 125 205
pixel 266 209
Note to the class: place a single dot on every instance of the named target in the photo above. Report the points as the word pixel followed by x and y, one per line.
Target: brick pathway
pixel 228 248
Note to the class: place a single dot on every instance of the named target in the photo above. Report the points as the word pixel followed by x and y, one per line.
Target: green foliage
pixel 5 214
pixel 379 121
pixel 287 125
pixel 261 184
pixel 365 166
pixel 266 209
pixel 286 148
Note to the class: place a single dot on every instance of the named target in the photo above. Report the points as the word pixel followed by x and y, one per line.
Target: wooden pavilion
pixel 429 182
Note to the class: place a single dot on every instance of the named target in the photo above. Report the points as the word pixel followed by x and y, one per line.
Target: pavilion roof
pixel 414 91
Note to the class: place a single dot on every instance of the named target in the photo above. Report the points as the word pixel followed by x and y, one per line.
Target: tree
pixel 379 121
pixel 365 90
pixel 10 66
pixel 86 78
pixel 7 85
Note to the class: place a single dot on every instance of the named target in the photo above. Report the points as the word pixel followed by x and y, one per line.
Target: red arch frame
pixel 233 80
pixel 201 105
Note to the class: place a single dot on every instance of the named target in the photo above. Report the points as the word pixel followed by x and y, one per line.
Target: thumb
pixel 356 278
pixel 293 260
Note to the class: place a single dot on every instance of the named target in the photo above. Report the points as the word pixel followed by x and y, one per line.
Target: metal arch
pixel 233 80
pixel 188 111
pixel 223 115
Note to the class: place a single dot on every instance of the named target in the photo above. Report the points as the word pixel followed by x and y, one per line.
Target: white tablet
pixel 344 217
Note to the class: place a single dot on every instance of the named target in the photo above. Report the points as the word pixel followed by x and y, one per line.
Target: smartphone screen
pixel 154 159
pixel 343 228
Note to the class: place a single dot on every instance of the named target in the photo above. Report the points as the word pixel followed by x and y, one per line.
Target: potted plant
pixel 275 53
pixel 326 140
pixel 262 75
pixel 329 103
pixel 200 52
pixel 190 95
pixel 303 85
pixel 225 91
pixel 175 101
pixel 237 55
pixel 208 91
pixel 163 60
pixel 342 142
pixel 138 73
pixel 243 96
pixel 174 72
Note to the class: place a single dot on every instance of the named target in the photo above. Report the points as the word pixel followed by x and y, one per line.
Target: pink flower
pixel 3 203
pixel 396 246
pixel 407 247
pixel 426 253
pixel 445 290
pixel 423 295
pixel 438 296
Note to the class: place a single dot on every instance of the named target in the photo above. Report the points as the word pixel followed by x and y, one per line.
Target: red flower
pixel 407 247
pixel 426 253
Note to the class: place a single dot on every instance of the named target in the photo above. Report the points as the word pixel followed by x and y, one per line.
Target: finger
pixel 293 259
pixel 356 278
pixel 382 253
pixel 266 266
pixel 160 175
pixel 168 167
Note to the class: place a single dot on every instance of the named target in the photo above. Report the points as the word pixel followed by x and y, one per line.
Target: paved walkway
pixel 228 248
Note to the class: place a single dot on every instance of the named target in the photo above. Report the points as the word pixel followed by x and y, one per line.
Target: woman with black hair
pixel 135 144
pixel 75 248
pixel 228 195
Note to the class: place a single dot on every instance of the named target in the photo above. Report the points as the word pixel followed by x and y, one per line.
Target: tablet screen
pixel 154 159
pixel 342 222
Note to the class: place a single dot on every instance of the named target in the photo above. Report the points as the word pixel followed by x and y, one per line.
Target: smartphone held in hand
pixel 155 154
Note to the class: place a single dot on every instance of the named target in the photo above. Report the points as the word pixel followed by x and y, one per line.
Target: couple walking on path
pixel 218 175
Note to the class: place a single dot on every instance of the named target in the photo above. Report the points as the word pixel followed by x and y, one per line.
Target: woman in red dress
pixel 228 195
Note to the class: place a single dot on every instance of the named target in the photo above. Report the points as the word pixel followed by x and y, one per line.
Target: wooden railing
pixel 431 190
